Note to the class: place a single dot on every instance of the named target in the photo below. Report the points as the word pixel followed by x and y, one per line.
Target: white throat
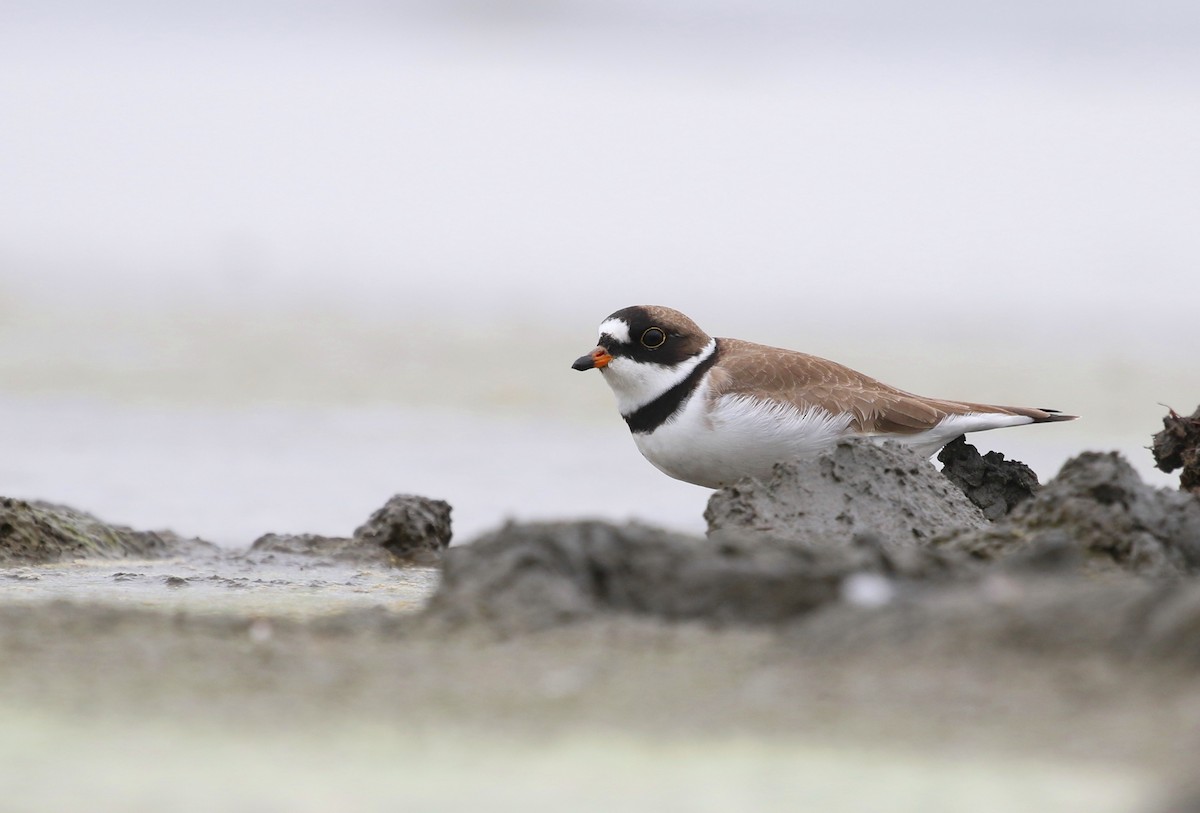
pixel 637 383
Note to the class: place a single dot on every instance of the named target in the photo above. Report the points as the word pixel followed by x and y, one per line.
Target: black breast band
pixel 654 414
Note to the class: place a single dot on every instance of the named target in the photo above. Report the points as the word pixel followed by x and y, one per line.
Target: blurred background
pixel 263 264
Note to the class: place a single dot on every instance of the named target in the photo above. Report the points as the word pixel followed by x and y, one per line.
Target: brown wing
pixel 807 381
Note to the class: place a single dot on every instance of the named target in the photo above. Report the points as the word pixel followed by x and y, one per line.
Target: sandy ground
pixel 189 685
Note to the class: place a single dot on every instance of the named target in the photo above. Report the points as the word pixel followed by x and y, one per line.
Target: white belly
pixel 716 444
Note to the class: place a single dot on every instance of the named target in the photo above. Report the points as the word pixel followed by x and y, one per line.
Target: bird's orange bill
pixel 598 358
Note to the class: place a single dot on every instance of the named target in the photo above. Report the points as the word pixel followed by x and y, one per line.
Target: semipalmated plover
pixel 714 411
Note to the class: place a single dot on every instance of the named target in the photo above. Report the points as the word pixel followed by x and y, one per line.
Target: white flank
pixel 715 444
pixel 950 427
pixel 617 328
pixel 637 383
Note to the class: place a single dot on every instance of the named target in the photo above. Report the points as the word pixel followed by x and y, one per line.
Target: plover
pixel 713 411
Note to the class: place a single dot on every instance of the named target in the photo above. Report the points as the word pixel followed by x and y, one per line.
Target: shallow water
pixel 266 586
pixel 231 474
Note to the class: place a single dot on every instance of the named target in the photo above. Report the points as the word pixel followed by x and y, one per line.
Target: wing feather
pixel 806 381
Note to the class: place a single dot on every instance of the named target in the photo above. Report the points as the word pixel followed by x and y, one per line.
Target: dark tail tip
pixel 1053 415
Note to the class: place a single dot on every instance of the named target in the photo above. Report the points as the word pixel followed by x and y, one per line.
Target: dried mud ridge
pixel 864 541
pixel 41 533
pixel 407 530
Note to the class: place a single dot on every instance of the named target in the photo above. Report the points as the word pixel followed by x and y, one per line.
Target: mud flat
pixel 856 634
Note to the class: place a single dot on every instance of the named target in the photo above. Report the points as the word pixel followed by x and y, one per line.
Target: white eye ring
pixel 651 343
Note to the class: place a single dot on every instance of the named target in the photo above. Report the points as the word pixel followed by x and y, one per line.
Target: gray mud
pixel 868 527
pixel 993 484
pixel 533 576
pixel 884 490
pixel 854 628
pixel 407 530
pixel 1098 507
pixel 413 529
pixel 537 575
pixel 52 552
pixel 39 532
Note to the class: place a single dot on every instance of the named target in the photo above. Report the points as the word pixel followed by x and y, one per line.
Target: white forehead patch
pixel 617 328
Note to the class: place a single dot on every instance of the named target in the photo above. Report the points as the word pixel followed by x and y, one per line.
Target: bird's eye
pixel 653 337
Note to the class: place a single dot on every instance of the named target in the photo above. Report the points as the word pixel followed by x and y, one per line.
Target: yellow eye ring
pixel 654 337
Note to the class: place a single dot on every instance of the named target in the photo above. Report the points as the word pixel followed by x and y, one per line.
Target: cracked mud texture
pixel 1098 506
pixel 410 527
pixel 40 533
pixel 882 489
pixel 995 485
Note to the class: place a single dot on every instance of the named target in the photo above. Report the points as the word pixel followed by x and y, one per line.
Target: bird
pixel 713 411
